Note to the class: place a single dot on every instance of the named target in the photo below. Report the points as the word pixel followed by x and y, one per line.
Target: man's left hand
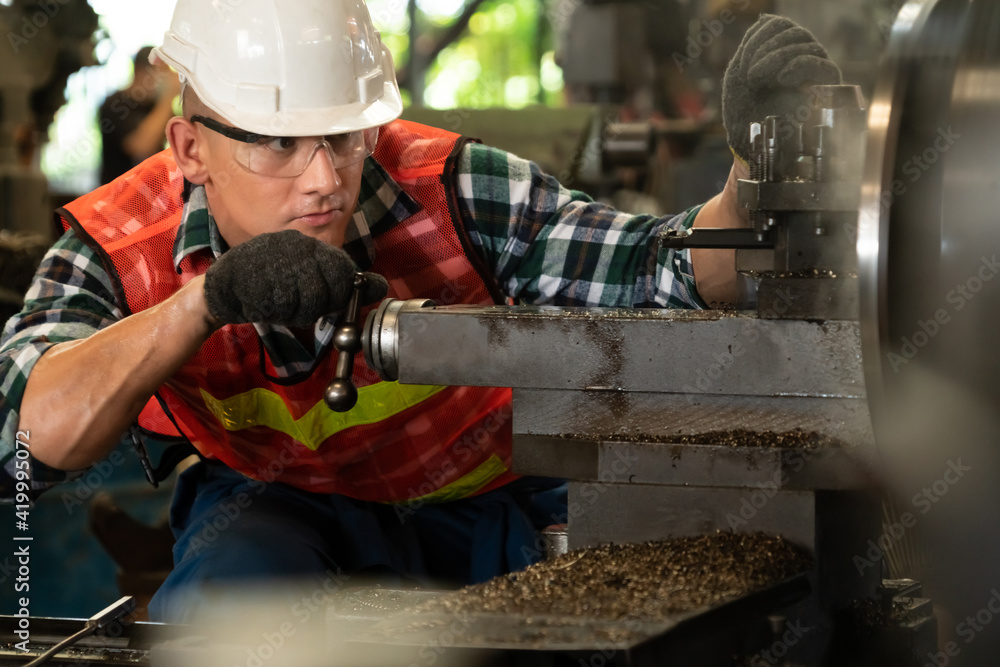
pixel 284 278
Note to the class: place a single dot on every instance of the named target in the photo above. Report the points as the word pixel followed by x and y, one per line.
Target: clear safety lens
pixel 287 157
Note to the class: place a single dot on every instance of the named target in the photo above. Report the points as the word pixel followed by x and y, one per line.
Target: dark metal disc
pixel 928 250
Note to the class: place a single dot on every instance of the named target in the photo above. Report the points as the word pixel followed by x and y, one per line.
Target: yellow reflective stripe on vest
pixel 261 407
pixel 466 485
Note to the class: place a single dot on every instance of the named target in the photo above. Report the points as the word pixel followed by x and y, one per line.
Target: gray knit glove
pixel 775 61
pixel 284 278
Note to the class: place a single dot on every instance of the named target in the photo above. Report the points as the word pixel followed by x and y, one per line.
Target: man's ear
pixel 189 149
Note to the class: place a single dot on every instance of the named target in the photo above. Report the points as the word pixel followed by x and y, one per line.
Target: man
pixel 222 306
pixel 132 120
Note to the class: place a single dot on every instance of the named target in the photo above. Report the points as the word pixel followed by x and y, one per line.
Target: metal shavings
pixel 739 437
pixel 800 273
pixel 78 654
pixel 869 613
pixel 642 582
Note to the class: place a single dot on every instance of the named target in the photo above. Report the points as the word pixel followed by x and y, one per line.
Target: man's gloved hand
pixel 769 75
pixel 284 278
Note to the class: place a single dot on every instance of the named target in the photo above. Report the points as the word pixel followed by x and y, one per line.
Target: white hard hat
pixel 288 67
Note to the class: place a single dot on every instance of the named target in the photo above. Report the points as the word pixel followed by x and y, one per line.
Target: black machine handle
pixel 715 238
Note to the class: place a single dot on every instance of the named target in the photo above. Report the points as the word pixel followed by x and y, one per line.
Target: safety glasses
pixel 288 157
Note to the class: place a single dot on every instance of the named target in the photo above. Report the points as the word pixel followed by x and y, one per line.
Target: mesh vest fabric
pixel 401 442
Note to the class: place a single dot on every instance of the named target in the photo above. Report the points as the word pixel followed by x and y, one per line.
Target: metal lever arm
pixel 715 238
pixel 99 621
pixel 341 394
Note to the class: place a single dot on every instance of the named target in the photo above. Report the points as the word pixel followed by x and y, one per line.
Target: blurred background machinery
pixel 45 43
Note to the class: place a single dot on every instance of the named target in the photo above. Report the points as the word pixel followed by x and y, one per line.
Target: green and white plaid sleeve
pixel 70 298
pixel 551 245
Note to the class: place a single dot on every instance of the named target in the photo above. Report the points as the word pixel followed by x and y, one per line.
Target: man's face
pixel 319 202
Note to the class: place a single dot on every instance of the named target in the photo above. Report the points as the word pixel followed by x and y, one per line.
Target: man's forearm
pixel 83 395
pixel 715 270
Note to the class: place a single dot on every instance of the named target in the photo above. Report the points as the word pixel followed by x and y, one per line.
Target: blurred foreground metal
pixel 928 253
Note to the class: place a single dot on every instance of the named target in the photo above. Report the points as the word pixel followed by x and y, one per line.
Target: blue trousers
pixel 231 530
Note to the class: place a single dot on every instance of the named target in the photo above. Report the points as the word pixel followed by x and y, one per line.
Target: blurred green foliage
pixel 505 58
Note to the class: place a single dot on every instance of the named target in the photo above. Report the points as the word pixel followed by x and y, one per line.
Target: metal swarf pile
pixel 740 437
pixel 737 437
pixel 641 582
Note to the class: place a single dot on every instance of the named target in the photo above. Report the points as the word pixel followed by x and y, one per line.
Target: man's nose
pixel 320 174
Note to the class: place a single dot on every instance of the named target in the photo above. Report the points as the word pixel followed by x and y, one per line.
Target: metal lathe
pixel 849 407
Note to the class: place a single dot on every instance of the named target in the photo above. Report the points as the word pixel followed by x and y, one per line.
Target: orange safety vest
pixel 400 442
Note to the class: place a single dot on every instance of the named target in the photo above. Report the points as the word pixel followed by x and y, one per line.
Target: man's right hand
pixel 769 75
pixel 284 278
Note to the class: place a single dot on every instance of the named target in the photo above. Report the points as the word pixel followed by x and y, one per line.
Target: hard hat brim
pixel 301 122
pixel 308 123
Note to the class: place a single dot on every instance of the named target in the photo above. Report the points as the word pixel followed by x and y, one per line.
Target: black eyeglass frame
pixel 243 136
pixel 228 131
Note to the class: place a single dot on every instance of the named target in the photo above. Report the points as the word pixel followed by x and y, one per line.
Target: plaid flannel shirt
pixel 545 243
